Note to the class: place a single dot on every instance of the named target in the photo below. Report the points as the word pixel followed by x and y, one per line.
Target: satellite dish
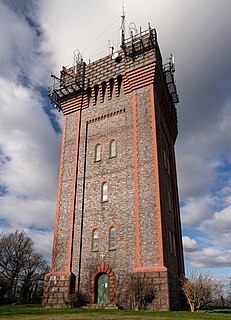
pixel 117 57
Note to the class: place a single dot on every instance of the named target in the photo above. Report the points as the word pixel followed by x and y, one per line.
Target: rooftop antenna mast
pixel 122 28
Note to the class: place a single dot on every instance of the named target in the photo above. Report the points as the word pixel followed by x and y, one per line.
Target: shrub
pixel 76 300
pixel 142 292
pixel 199 289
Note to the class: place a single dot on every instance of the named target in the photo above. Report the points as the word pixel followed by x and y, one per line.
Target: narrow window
pixel 169 202
pixel 112 149
pixel 102 91
pixel 119 81
pixel 170 242
pixel 168 166
pixel 89 93
pixel 98 149
pixel 104 192
pixel 174 245
pixel 111 82
pixel 95 240
pixel 165 159
pixel 112 238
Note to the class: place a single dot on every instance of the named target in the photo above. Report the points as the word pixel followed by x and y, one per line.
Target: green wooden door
pixel 103 289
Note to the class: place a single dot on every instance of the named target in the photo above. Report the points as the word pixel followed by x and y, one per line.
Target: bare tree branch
pixel 199 289
pixel 21 268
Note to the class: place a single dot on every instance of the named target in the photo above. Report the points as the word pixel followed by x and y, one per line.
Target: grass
pixel 32 312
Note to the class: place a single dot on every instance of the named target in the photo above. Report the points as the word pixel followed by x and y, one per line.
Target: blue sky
pixel 38 37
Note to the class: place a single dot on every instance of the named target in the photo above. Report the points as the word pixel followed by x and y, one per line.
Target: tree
pixel 3 288
pixel 228 291
pixel 32 278
pixel 199 289
pixel 22 269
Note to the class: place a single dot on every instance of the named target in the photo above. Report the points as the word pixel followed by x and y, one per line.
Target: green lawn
pixel 19 312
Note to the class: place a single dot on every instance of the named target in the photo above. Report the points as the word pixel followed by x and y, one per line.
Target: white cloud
pixel 26 212
pixel 29 163
pixel 196 210
pixel 29 146
pixel 28 139
pixel 218 227
pixel 189 244
pixel 195 174
pixel 21 55
pixel 62 36
pixel 42 241
pixel 198 156
pixel 209 258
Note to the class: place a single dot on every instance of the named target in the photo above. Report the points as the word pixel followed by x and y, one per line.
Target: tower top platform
pixel 137 51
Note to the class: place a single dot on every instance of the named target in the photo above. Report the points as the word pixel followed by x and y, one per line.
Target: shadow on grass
pixel 227 311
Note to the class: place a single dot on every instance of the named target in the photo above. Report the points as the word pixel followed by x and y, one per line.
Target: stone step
pixel 102 306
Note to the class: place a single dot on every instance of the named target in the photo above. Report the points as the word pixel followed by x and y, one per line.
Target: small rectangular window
pixel 112 238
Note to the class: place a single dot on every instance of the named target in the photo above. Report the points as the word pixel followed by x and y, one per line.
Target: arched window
pixel 112 149
pixel 104 192
pixel 95 240
pixel 112 238
pixel 98 150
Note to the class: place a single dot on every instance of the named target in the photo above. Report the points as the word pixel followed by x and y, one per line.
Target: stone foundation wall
pixel 56 290
pixel 159 282
pixel 166 288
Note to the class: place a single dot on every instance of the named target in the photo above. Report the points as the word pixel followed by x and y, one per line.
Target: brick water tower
pixel 117 209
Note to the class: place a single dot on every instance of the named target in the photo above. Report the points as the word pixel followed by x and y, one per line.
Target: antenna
pixel 172 62
pixel 77 62
pixel 122 28
pixel 111 47
pixel 132 29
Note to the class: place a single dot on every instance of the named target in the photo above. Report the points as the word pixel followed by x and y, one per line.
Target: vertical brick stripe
pixel 136 178
pixel 156 177
pixel 94 96
pixel 108 90
pixel 74 187
pixel 59 196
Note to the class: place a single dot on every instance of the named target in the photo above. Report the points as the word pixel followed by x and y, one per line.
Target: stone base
pixel 57 286
pixel 167 287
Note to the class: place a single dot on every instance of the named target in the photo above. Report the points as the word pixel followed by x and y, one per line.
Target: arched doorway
pixel 102 288
pixel 100 269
